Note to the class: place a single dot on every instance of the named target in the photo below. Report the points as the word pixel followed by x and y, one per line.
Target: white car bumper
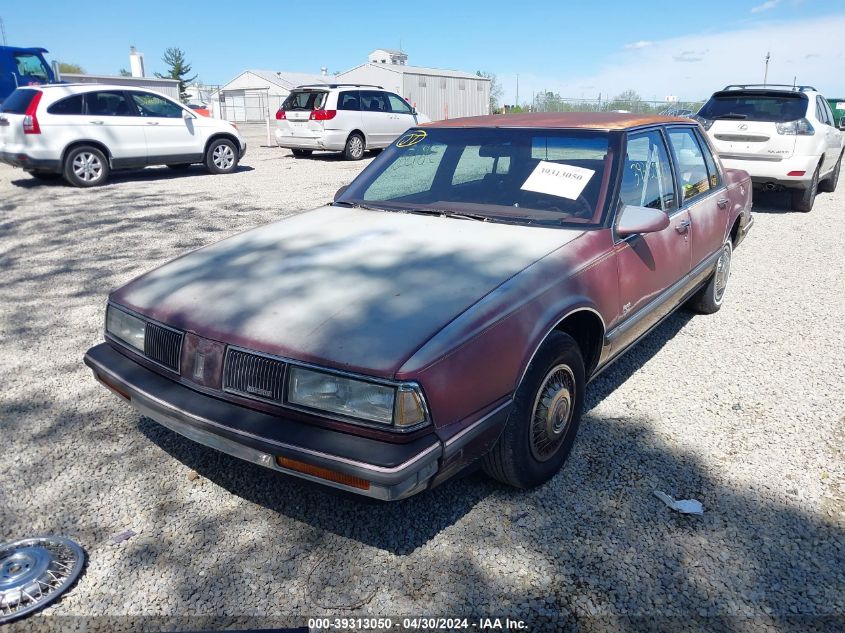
pixel 795 171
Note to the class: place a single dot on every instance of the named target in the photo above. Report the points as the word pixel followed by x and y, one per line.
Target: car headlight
pixel 400 406
pixel 129 329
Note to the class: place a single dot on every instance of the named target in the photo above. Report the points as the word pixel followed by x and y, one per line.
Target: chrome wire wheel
pixel 723 272
pixel 223 157
pixel 34 572
pixel 552 412
pixel 87 166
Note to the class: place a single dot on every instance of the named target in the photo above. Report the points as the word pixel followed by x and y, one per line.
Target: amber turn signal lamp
pixel 114 388
pixel 323 473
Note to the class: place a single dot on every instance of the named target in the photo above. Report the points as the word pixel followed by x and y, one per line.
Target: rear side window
pixel 715 177
pixel 18 101
pixel 692 168
pixel 70 105
pixel 755 107
pixel 304 100
pixel 109 104
pixel 349 100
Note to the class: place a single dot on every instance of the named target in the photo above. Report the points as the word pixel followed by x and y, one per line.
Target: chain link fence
pixel 554 103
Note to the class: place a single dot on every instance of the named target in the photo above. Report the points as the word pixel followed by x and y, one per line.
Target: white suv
pixel 82 131
pixel 783 136
pixel 348 118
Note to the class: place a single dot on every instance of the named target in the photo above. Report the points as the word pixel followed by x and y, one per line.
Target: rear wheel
pixel 828 185
pixel 544 419
pixel 354 149
pixel 803 199
pixel 709 299
pixel 86 166
pixel 301 153
pixel 221 157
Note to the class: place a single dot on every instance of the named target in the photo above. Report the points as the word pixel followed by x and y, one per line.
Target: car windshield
pixel 522 175
pixel 304 100
pixel 755 107
pixel 31 65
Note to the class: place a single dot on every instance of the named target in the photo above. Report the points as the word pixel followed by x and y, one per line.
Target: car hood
pixel 349 288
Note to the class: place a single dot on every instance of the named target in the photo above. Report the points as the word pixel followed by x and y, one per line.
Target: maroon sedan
pixel 447 309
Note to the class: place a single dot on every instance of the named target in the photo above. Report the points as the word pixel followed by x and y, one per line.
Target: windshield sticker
pixel 411 138
pixel 556 179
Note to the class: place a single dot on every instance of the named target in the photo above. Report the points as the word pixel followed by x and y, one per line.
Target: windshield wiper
pixel 356 205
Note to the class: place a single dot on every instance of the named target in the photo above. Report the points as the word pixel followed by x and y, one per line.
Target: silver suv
pixel 348 118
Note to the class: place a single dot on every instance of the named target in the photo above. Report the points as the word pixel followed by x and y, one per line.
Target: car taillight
pixel 800 127
pixel 30 120
pixel 280 115
pixel 322 115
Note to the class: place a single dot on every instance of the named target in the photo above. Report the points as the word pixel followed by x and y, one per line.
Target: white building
pixel 254 94
pixel 438 93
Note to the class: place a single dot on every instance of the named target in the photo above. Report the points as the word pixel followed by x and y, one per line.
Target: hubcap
pixel 223 157
pixel 87 166
pixel 723 272
pixel 34 572
pixel 552 413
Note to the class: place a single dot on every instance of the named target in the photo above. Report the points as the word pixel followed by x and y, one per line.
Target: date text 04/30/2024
pixel 412 624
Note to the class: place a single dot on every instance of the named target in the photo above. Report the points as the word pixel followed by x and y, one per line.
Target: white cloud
pixel 695 66
pixel 766 6
pixel 638 45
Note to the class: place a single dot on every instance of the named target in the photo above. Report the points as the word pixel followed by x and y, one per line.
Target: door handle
pixel 96 122
pixel 722 202
pixel 682 227
pixel 152 122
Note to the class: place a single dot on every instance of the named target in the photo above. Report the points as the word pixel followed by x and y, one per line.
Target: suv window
pixel 304 100
pixel 31 66
pixel 18 101
pixel 155 106
pixel 692 169
pixel 109 103
pixel 647 175
pixel 374 101
pixel 349 100
pixel 823 112
pixel 772 107
pixel 397 104
pixel 68 105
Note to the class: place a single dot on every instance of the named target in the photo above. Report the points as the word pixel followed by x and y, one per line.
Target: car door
pixel 401 115
pixel 171 132
pixel 651 266
pixel 112 119
pixel 375 118
pixel 703 193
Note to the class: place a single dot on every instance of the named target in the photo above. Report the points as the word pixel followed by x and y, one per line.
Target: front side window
pixel 692 169
pixel 70 105
pixel 647 173
pixel 349 100
pixel 374 101
pixel 109 103
pixel 398 105
pixel 29 65
pixel 527 176
pixel 154 106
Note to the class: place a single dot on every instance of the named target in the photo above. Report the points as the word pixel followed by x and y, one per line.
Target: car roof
pixel 563 120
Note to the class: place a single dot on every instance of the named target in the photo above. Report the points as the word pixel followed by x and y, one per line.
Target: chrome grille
pixel 163 345
pixel 254 375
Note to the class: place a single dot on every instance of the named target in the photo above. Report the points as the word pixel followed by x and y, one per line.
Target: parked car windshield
pixel 522 175
pixel 304 100
pixel 755 107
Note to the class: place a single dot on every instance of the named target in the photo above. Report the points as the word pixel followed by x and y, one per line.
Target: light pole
pixel 766 73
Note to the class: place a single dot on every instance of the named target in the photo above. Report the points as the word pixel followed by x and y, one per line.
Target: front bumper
pixel 25 161
pixel 394 471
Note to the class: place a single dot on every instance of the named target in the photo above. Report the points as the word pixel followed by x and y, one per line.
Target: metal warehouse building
pixel 437 93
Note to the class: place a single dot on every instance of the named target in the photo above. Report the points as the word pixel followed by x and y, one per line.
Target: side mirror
pixel 188 115
pixel 842 123
pixel 339 192
pixel 636 220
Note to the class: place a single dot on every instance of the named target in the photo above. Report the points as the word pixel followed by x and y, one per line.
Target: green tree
pixel 124 73
pixel 496 90
pixel 76 69
pixel 179 69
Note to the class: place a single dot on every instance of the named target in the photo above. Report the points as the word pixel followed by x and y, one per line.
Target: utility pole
pixel 517 89
pixel 3 31
pixel 766 73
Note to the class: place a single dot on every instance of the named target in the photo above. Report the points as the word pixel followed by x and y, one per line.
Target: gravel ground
pixel 742 410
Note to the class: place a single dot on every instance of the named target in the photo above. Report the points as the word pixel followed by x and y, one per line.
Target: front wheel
pixel 86 166
pixel 221 157
pixel 803 199
pixel 709 299
pixel 544 418
pixel 354 149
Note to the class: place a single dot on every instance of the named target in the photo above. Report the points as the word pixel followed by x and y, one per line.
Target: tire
pixel 710 297
pixel 44 175
pixel 828 185
pixel 803 199
pixel 221 157
pixel 355 147
pixel 534 446
pixel 180 167
pixel 302 153
pixel 85 166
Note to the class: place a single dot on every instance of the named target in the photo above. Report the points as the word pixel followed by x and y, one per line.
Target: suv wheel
pixel 803 199
pixel 544 418
pixel 828 185
pixel 86 166
pixel 221 157
pixel 354 149
pixel 301 153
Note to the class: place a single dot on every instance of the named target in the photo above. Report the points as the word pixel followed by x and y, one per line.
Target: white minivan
pixel 348 118
pixel 83 131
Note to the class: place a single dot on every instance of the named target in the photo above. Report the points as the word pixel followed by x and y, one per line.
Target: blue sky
pixel 576 48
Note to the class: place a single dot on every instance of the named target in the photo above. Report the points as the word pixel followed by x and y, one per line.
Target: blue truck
pixel 23 67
